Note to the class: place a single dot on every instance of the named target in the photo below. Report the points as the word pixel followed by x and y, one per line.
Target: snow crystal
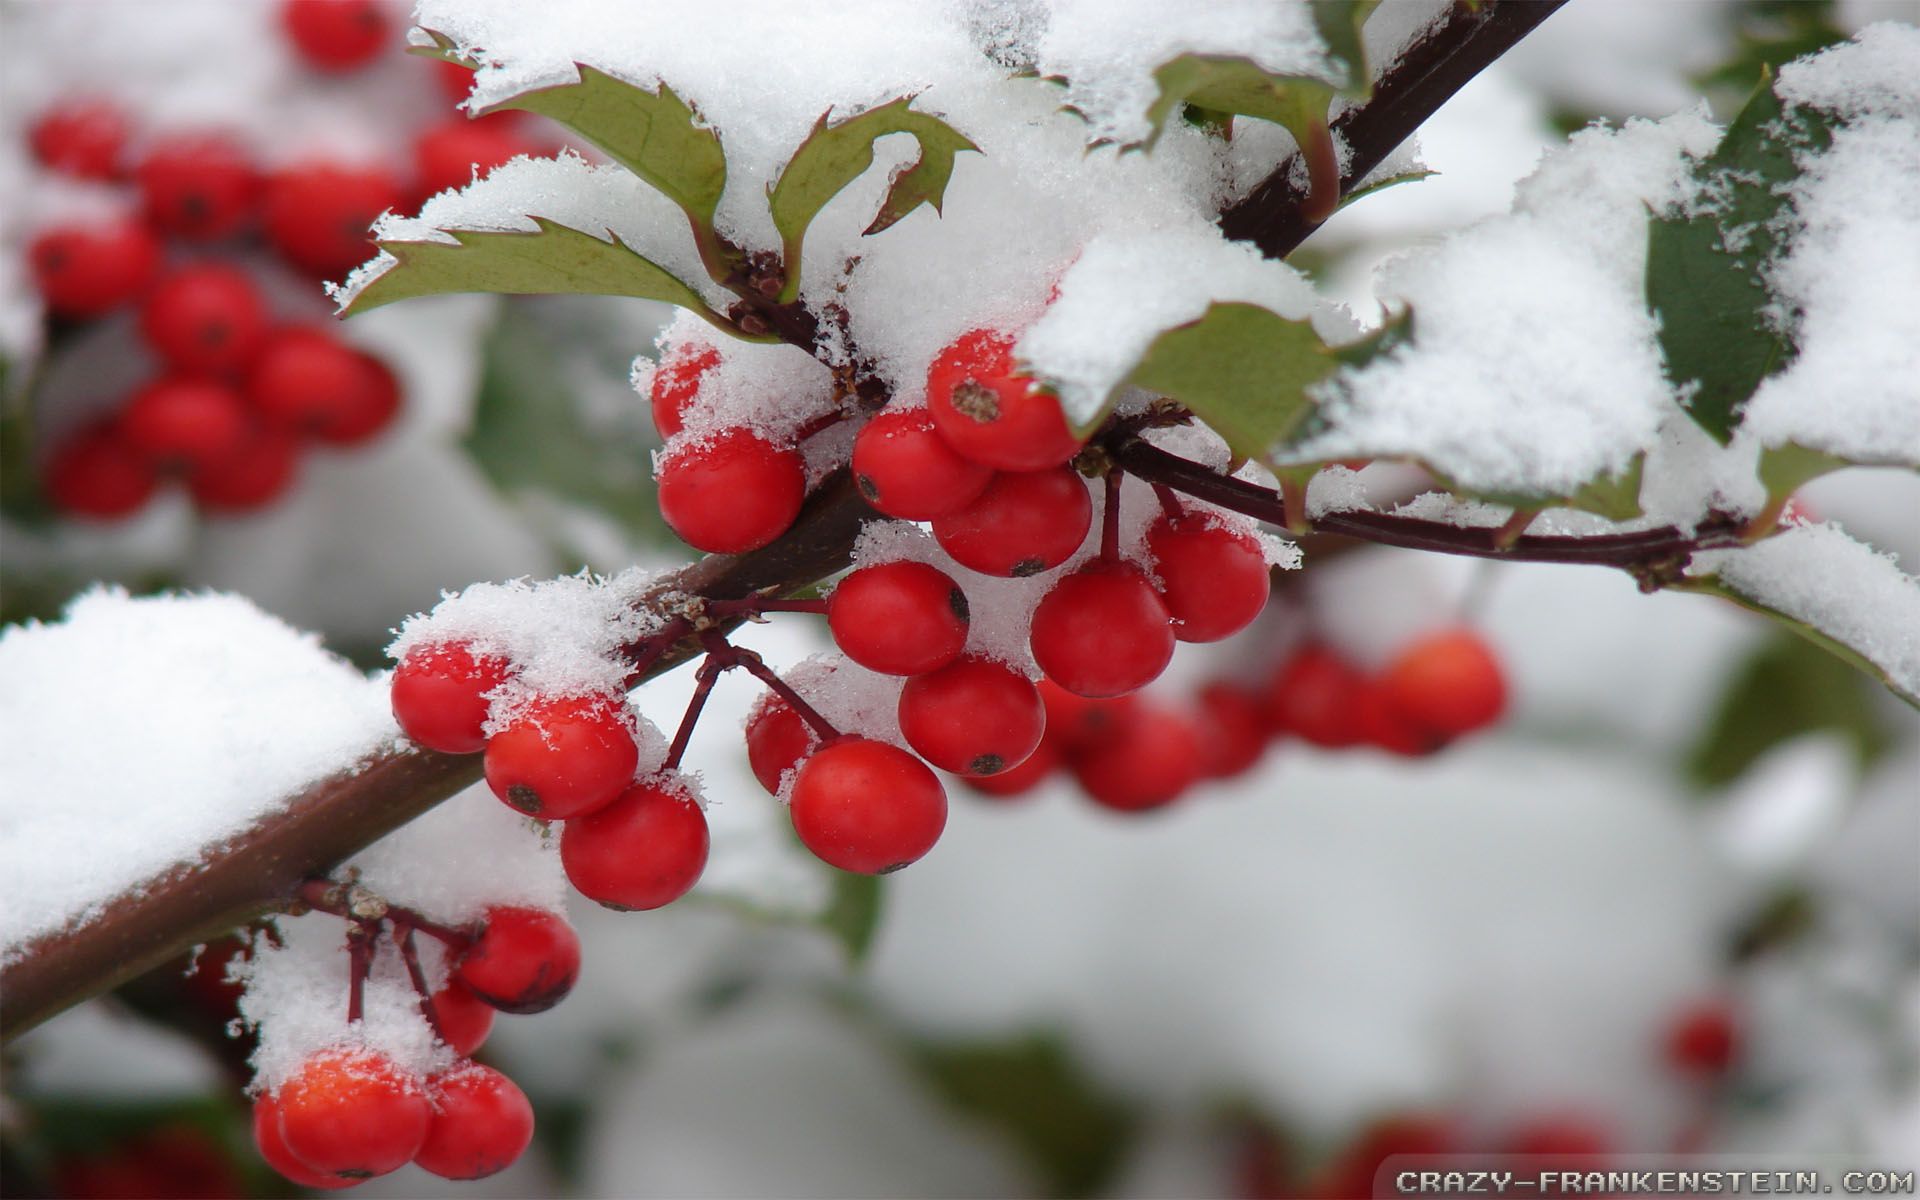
pixel 1126 289
pixel 141 732
pixel 1335 489
pixel 1842 588
pixel 1534 366
pixel 1448 509
pixel 562 635
pixel 1849 273
pixel 1107 51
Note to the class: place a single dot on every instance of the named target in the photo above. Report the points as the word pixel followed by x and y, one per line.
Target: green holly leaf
pixel 1785 689
pixel 1339 23
pixel 1242 369
pixel 835 154
pixel 852 915
pixel 533 437
pixel 1232 84
pixel 1074 1133
pixel 1705 271
pixel 553 258
pixel 656 135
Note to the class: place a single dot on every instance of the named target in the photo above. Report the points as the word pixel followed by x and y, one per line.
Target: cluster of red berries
pixel 235 398
pixel 350 1113
pixel 625 844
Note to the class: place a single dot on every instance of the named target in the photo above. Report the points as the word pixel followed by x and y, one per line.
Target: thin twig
pixel 410 954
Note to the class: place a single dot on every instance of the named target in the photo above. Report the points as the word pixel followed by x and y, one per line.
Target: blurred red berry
pixel 81 137
pixel 198 187
pixel 319 215
pixel 89 270
pixel 335 35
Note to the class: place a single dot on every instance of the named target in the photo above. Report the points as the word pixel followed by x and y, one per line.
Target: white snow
pixel 1847 279
pixel 1533 367
pixel 1842 588
pixel 141 733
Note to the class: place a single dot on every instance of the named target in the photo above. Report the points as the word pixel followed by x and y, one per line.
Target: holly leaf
pixel 1242 369
pixel 1339 22
pixel 1785 689
pixel 553 258
pixel 531 435
pixel 1232 84
pixel 852 915
pixel 1704 271
pixel 835 154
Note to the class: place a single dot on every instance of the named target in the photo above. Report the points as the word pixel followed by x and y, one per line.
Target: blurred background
pixel 1671 904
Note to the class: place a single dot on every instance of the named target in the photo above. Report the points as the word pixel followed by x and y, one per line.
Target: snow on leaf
pixel 1840 593
pixel 1705 267
pixel 656 135
pixel 554 258
pixel 836 154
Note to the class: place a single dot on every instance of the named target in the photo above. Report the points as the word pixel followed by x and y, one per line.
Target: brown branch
pixel 260 870
pixel 1274 215
pixel 257 872
pixel 1650 550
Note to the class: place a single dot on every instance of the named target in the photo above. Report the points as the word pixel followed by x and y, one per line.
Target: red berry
pixel 992 414
pixel 1025 522
pixel 972 717
pixel 899 618
pixel 644 850
pixel 186 423
pixel 353 1114
pixel 455 79
pixel 88 271
pixel 482 1123
pixel 250 478
pixel 1214 580
pixel 867 807
pixel 309 382
pixel 1573 1142
pixel 1145 759
pixel 524 961
pixel 335 35
pixel 905 469
pixel 1102 631
pixel 1382 725
pixel 733 493
pixel 204 319
pixel 1316 697
pixel 777 739
pixel 465 1019
pixel 1448 682
pixel 1352 1172
pixel 1073 721
pixel 1704 1039
pixel 563 758
pixel 446 155
pixel 95 473
pixel 273 1149
pixel 1233 730
pixel 1018 780
pixel 676 384
pixel 198 187
pixel 80 137
pixel 439 695
pixel 318 214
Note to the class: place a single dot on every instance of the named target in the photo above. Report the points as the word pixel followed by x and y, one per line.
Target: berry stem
pixel 410 954
pixel 453 939
pixel 644 653
pixel 1110 518
pixel 359 964
pixel 709 672
pixel 751 663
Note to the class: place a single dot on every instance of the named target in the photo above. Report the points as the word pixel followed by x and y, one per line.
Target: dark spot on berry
pixel 890 870
pixel 987 764
pixel 866 487
pixel 957 602
pixel 1028 566
pixel 524 798
pixel 354 1173
pixel 976 402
